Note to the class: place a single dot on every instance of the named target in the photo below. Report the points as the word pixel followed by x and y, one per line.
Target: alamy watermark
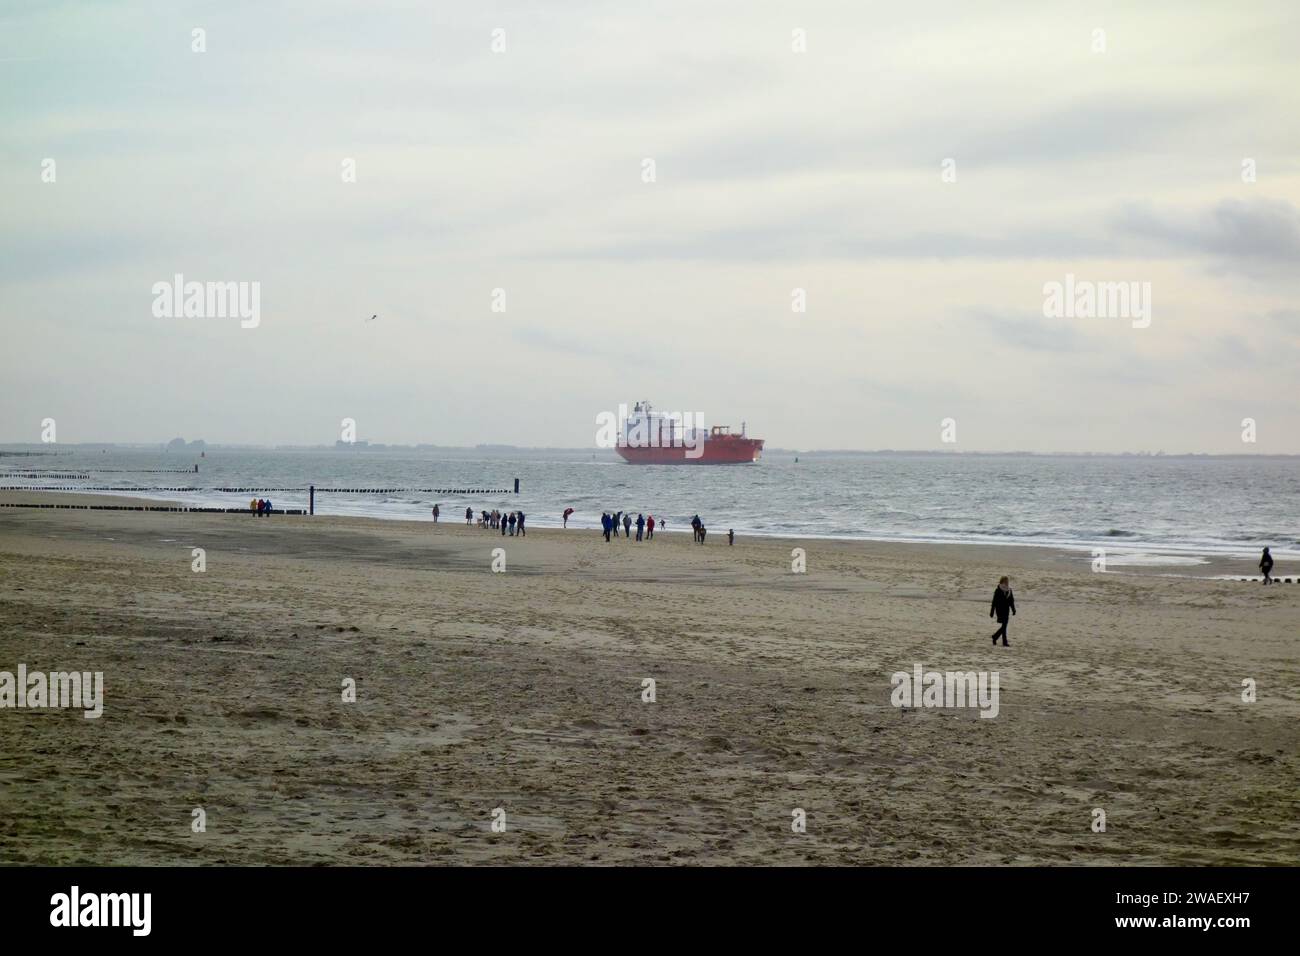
pixel 922 688
pixel 1085 299
pixel 208 300
pixel 75 908
pixel 60 689
pixel 643 428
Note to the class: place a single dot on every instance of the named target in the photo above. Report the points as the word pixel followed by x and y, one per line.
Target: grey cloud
pixel 1078 131
pixel 1255 235
pixel 1033 332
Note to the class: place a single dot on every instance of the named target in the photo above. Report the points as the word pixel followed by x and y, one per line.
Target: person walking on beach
pixel 511 520
pixel 435 514
pixel 252 505
pixel 1266 565
pixel 627 526
pixel 1004 605
pixel 268 507
pixel 503 523
pixel 640 526
pixel 696 524
pixel 469 516
pixel 567 512
pixel 521 525
pixel 703 532
pixel 605 523
pixel 731 536
pixel 650 528
pixel 617 516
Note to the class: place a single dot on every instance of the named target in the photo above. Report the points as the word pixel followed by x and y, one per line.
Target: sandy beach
pixel 523 691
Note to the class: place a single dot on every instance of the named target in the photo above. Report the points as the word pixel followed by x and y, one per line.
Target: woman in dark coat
pixel 1004 605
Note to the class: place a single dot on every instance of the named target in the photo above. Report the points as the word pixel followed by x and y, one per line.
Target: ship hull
pixel 717 451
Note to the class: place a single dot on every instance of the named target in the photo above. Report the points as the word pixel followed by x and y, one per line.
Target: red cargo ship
pixel 651 439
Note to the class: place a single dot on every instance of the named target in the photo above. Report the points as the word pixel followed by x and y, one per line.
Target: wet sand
pixel 522 691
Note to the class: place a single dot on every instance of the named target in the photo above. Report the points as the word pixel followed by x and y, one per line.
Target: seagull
pixel 373 317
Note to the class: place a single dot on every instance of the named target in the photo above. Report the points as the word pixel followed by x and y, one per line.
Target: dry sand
pixel 523 690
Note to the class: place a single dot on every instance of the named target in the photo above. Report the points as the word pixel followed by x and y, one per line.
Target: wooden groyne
pixel 177 508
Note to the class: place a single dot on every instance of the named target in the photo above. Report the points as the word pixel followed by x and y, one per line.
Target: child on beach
pixel 1004 605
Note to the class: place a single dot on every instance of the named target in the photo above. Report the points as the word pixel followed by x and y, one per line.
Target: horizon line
pixel 201 444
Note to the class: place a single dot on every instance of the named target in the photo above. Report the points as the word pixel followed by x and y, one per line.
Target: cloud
pixel 1034 333
pixel 1253 236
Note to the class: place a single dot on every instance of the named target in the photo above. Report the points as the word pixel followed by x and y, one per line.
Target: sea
pixel 1140 508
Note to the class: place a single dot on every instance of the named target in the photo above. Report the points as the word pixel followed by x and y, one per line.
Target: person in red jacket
pixel 650 527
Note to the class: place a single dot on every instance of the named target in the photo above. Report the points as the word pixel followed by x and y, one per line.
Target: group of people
pixel 609 523
pixel 260 506
pixel 700 531
pixel 512 523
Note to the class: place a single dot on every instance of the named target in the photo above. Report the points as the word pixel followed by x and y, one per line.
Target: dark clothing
pixel 1002 633
pixel 521 524
pixel 1004 605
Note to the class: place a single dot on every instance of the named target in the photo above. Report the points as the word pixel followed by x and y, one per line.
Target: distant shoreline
pixel 505 451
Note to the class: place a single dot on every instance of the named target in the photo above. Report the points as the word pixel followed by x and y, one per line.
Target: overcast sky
pixel 775 170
